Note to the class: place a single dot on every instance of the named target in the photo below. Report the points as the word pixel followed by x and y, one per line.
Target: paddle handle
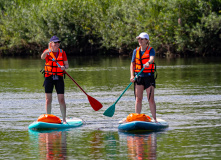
pixel 95 104
pixel 139 73
pixel 68 74
pixel 129 85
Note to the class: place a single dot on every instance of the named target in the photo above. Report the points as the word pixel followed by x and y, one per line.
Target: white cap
pixel 143 35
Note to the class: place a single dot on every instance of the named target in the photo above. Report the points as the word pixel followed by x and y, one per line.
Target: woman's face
pixel 142 41
pixel 55 45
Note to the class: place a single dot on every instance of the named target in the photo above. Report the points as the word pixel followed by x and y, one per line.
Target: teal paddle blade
pixel 110 111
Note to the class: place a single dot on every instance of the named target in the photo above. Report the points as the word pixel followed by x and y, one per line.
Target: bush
pixel 89 26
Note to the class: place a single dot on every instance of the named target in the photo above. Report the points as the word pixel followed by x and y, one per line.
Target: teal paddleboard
pixel 71 123
pixel 142 126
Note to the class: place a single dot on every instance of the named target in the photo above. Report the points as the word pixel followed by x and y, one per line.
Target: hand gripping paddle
pixel 110 111
pixel 95 104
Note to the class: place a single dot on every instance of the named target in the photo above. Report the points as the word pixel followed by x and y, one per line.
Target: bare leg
pixel 139 97
pixel 150 97
pixel 48 98
pixel 62 106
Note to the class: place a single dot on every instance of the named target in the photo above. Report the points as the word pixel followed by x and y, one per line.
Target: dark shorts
pixel 49 84
pixel 146 81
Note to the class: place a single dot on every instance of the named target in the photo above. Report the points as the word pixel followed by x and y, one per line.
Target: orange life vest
pixel 140 61
pixel 51 68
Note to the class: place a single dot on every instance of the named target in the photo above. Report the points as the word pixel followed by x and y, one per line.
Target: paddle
pixel 95 104
pixel 110 111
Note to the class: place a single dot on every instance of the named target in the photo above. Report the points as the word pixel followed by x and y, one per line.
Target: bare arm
pixel 44 54
pixel 66 65
pixel 150 61
pixel 132 66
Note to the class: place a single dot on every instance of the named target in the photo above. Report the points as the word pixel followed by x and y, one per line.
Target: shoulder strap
pixel 140 58
pixel 149 48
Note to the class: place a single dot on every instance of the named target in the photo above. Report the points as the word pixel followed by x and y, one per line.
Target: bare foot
pixel 64 122
pixel 154 121
pixel 123 121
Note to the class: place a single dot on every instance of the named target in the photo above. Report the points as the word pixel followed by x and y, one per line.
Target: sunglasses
pixel 57 42
pixel 140 39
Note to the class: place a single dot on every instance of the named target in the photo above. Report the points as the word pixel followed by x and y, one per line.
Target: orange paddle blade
pixel 96 105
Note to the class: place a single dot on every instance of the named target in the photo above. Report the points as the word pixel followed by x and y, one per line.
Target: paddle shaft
pixel 129 85
pixel 67 74
pixel 75 82
pixel 95 104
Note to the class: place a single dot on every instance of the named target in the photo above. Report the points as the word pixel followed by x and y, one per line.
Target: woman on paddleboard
pixel 54 74
pixel 143 56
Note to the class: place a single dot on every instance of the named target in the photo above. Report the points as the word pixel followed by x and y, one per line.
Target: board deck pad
pixel 142 126
pixel 71 123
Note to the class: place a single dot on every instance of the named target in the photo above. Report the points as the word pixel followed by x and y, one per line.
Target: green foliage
pixel 174 26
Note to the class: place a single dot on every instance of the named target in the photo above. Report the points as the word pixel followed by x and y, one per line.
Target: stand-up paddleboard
pixel 71 123
pixel 142 126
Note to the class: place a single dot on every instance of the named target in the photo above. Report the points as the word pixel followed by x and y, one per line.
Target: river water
pixel 188 96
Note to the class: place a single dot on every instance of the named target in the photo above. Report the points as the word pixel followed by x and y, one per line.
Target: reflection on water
pixel 111 145
pixel 51 145
pixel 142 146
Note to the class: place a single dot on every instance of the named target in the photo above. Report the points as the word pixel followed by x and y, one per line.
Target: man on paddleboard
pixel 54 74
pixel 143 56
